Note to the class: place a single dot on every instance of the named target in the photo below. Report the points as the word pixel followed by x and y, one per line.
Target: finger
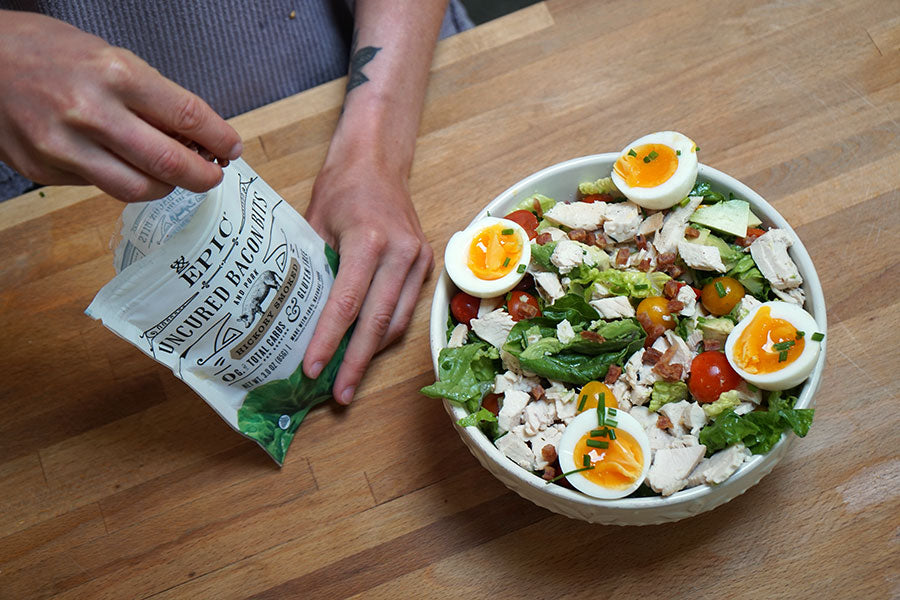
pixel 153 152
pixel 409 295
pixel 115 177
pixel 342 307
pixel 372 325
pixel 172 108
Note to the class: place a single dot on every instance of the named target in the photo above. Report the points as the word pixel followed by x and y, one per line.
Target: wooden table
pixel 117 481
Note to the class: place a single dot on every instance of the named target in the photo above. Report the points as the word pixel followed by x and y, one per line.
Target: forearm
pixel 388 76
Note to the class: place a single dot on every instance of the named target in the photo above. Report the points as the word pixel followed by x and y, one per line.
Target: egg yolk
pixel 616 467
pixel 590 395
pixel 495 251
pixel 647 166
pixel 767 344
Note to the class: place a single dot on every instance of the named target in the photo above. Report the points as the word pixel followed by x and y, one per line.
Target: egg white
pixel 673 190
pixel 794 372
pixel 456 256
pixel 577 428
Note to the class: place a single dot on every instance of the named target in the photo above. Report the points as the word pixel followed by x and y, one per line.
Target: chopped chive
pixel 598 444
pixel 599 432
pixel 678 153
pixel 506 262
pixel 558 477
pixel 507 231
pixel 612 434
pixel 647 159
pixel 521 268
pixel 782 356
pixel 720 289
pixel 696 148
pixel 632 152
pixel 800 334
pixel 783 345
pixel 612 412
pixel 641 286
pixel 818 336
pixel 653 155
pixel 586 460
pixel 601 414
pixel 612 423
pixel 581 404
pixel 41 194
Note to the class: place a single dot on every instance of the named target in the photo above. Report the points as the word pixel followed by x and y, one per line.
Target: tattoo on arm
pixel 358 59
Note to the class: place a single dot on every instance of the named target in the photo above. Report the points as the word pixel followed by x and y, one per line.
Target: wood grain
pixel 117 481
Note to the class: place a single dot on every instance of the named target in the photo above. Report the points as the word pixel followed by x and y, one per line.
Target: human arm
pixel 361 202
pixel 75 110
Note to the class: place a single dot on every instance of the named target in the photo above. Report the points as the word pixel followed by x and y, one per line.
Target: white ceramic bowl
pixel 560 182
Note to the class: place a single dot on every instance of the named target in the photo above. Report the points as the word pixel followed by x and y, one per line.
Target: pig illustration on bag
pixel 252 304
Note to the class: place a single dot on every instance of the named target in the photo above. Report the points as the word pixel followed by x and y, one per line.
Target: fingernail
pixel 236 151
pixel 347 396
pixel 315 369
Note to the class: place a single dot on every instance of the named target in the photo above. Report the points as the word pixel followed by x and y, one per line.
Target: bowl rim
pixel 678 503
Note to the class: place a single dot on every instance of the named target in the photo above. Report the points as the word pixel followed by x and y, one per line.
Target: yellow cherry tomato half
pixel 721 295
pixel 657 310
pixel 589 396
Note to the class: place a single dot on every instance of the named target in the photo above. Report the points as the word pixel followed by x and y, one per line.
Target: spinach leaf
pixel 465 374
pixel 573 308
pixel 758 430
pixel 702 188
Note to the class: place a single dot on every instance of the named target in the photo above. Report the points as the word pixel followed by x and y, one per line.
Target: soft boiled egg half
pixel 602 464
pixel 658 170
pixel 489 257
pixel 775 346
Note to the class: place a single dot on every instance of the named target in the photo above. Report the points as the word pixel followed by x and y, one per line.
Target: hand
pixel 364 210
pixel 75 110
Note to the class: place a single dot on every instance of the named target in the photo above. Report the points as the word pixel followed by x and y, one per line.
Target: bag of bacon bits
pixel 225 288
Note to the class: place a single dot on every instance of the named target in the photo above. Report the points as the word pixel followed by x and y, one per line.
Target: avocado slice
pixel 730 216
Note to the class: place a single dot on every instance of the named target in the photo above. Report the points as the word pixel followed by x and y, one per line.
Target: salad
pixel 647 337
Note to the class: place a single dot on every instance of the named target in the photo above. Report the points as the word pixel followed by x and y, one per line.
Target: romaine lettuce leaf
pixel 747 273
pixel 634 284
pixel 528 203
pixel 758 430
pixel 541 253
pixel 476 418
pixel 465 374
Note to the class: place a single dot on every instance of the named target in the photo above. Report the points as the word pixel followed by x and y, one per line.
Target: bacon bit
pixel 543 238
pixel 663 422
pixel 593 336
pixel 612 374
pixel 492 403
pixel 751 236
pixel 674 305
pixel 641 241
pixel 651 356
pixel 537 392
pixel 644 265
pixel 670 290
pixel 578 235
pixel 674 271
pixel 537 208
pixel 549 453
pixel 591 198
pixel 668 372
pixel 596 238
pixel 666 259
pixel 712 345
pixel 622 256
pixel 691 232
pixel 652 330
pixel 549 473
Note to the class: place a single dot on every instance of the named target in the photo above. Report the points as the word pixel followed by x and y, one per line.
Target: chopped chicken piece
pixel 513 381
pixel 538 416
pixel 458 336
pixel 794 295
pixel 564 332
pixel 549 436
pixel 555 233
pixel 770 253
pixel 746 304
pixel 651 224
pixel 672 232
pixel 623 220
pixel 688 298
pixel 720 466
pixel 510 415
pixel 622 393
pixel 515 448
pixel 616 307
pixel 487 305
pixel 697 256
pixel 567 255
pixel 682 354
pixel 493 327
pixel 675 412
pixel 643 416
pixel 577 215
pixel 549 287
pixel 671 468
pixel 598 290
pixel 694 418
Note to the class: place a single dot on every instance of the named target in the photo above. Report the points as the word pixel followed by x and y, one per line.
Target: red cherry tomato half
pixel 751 236
pixel 522 305
pixel 710 376
pixel 591 198
pixel 526 219
pixel 464 307
pixel 492 403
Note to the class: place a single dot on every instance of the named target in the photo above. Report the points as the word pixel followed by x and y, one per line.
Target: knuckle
pixel 116 68
pixel 372 241
pixel 188 113
pixel 380 322
pixel 347 306
pixel 167 165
